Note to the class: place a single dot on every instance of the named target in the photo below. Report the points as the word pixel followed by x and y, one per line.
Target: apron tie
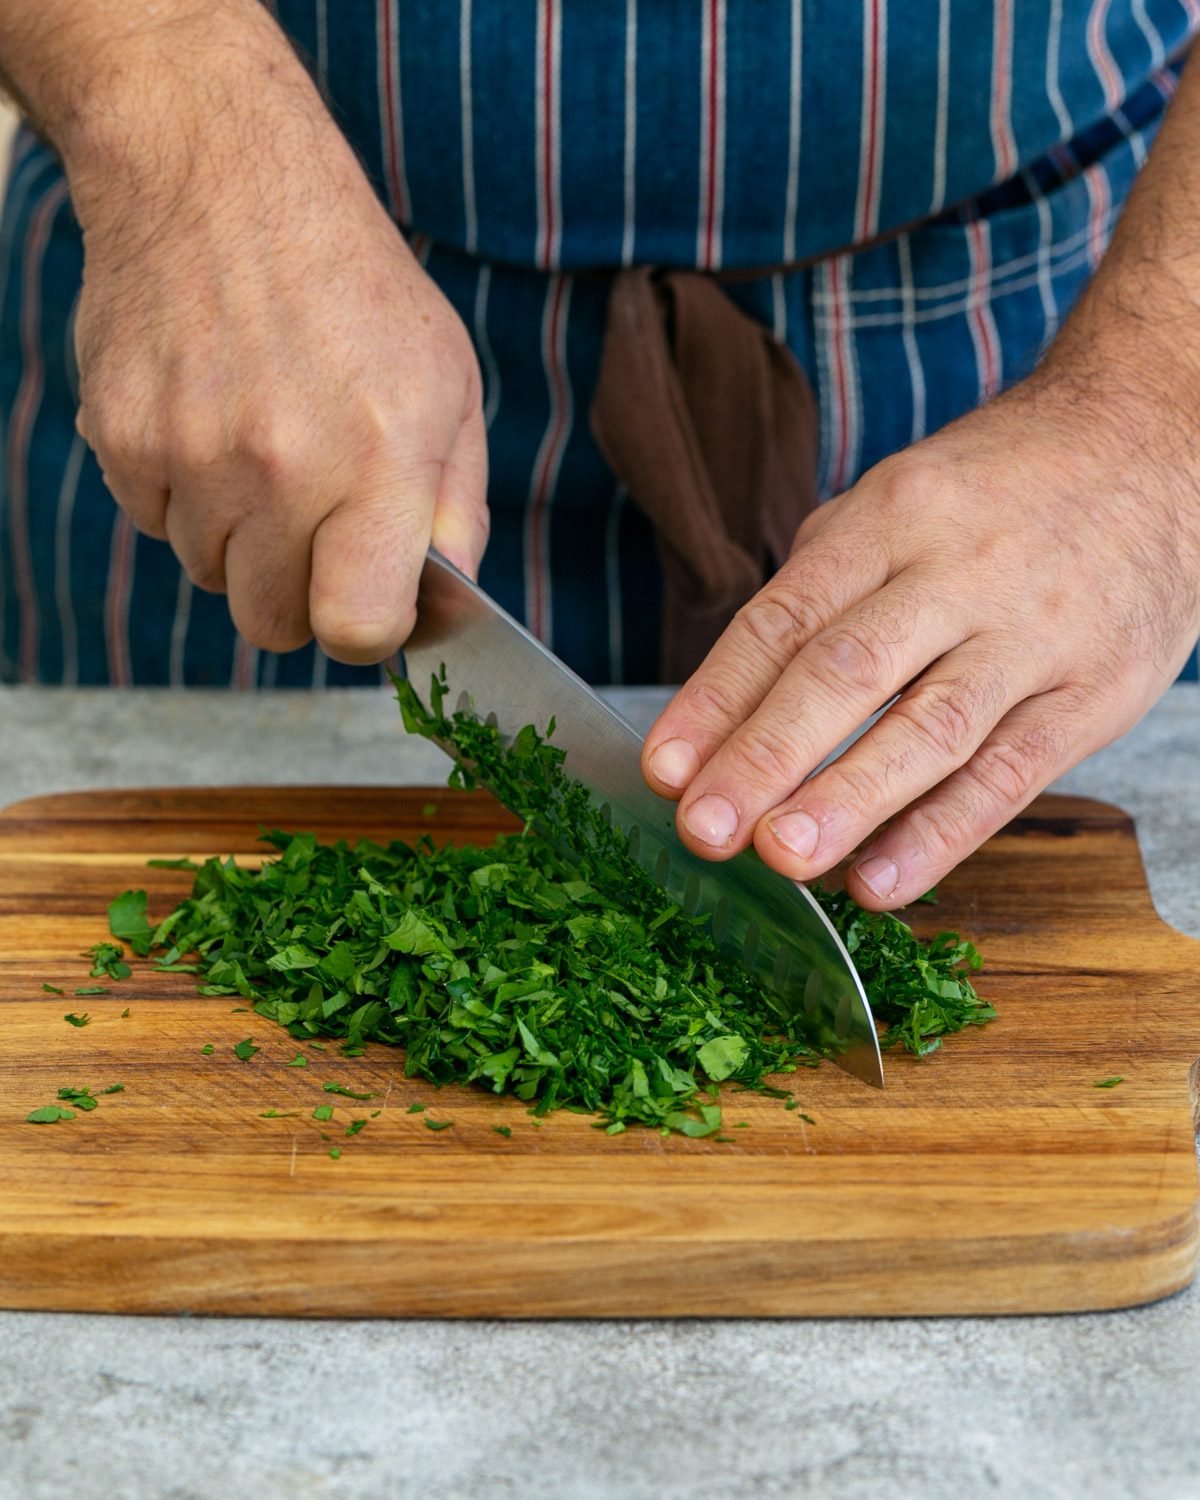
pixel 711 425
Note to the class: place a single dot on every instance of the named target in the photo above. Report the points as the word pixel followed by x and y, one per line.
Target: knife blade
pixel 771 925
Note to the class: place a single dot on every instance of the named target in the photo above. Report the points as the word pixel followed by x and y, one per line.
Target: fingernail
pixel 879 875
pixel 712 819
pixel 675 762
pixel 797 831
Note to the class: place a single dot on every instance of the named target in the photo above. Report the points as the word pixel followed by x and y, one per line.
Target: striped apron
pixel 524 145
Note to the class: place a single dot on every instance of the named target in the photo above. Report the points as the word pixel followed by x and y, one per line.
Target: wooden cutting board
pixel 991 1177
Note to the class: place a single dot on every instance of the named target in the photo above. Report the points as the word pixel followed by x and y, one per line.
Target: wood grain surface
pixel 991 1177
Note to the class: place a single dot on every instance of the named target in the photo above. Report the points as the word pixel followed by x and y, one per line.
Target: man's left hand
pixel 1027 580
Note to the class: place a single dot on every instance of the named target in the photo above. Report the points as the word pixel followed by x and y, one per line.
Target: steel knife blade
pixel 766 922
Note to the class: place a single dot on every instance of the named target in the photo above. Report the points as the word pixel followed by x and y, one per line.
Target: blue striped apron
pixel 522 144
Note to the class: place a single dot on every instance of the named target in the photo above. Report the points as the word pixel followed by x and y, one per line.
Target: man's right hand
pixel 269 379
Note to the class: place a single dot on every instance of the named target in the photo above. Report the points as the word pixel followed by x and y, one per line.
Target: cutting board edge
pixel 631 1279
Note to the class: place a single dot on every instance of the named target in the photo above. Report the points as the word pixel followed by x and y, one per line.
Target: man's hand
pixel 1027 580
pixel 268 378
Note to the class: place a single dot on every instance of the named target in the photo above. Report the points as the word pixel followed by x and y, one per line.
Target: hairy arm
pixel 269 380
pixel 1027 580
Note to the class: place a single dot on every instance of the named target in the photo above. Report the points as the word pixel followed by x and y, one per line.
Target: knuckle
pixel 207 573
pixel 767 757
pixel 779 621
pixel 942 840
pixel 711 700
pixel 848 656
pixel 271 447
pixel 903 483
pixel 1011 765
pixel 195 445
pixel 858 790
pixel 946 720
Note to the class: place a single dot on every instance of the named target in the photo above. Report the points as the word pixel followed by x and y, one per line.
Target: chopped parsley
pixel 547 965
pixel 73 1020
pixel 108 961
pixel 1109 1083
pixel 245 1049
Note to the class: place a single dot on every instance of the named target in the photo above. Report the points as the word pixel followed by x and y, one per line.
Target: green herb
pixel 208 1049
pixel 429 810
pixel 81 1098
pixel 245 1050
pixel 355 1126
pixel 790 1104
pixel 49 1115
pixel 548 965
pixel 437 1124
pixel 323 1112
pixel 415 1109
pixel 340 1088
pixel 124 1013
pixel 73 1020
pixel 108 961
pixel 52 989
pixel 92 989
pixel 920 990
pixel 114 1088
pixel 504 1130
pixel 335 1152
pixel 808 1119
pixel 277 1114
pixel 1109 1083
pixel 299 1061
pixel 127 921
pixel 172 864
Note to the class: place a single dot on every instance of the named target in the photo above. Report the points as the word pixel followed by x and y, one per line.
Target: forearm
pixel 134 88
pixel 1139 320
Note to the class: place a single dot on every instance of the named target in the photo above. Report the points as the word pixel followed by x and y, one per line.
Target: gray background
pixel 1099 1405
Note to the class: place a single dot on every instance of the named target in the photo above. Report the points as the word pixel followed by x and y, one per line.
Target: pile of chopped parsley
pixel 547 965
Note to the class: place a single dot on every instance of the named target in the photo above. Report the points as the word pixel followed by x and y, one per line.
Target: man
pixel 284 395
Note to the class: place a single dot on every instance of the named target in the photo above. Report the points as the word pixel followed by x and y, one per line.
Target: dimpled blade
pixel 769 924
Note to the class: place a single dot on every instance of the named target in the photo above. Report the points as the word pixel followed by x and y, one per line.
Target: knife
pixel 769 924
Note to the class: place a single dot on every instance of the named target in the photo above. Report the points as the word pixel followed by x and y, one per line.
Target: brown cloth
pixel 711 425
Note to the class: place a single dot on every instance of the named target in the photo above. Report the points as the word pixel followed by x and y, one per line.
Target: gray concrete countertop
pixel 1103 1405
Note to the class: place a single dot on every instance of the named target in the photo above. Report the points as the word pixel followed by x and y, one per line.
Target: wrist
pixel 166 106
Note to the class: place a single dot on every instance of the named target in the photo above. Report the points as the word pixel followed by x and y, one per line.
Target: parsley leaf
pixel 245 1049
pixel 73 1020
pixel 128 922
pixel 52 989
pixel 323 1112
pixel 1109 1083
pixel 49 1115
pixel 340 1088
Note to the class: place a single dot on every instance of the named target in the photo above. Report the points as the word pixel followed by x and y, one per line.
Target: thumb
pixel 460 516
pixel 367 556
